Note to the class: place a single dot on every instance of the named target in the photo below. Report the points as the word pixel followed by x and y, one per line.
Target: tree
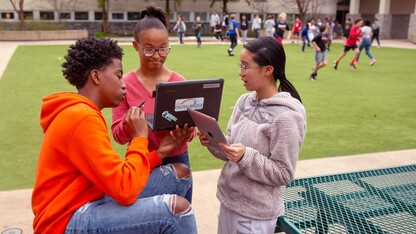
pixel 316 7
pixel 62 5
pixel 263 7
pixel 225 2
pixel 303 6
pixel 167 7
pixel 18 7
pixel 103 4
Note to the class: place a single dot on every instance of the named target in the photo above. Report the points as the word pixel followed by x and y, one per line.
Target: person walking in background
pixel 218 31
pixel 256 26
pixel 225 24
pixel 269 25
pixel 312 29
pixel 198 27
pixel 376 32
pixel 180 28
pixel 329 32
pixel 265 132
pixel 244 29
pixel 281 26
pixel 82 185
pixel 233 34
pixel 151 42
pixel 213 19
pixel 351 44
pixel 337 30
pixel 297 27
pixel 366 42
pixel 319 43
pixel 305 37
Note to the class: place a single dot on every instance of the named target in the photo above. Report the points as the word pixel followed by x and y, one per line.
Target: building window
pixel 47 15
pixel 202 15
pixel 98 16
pixel 28 15
pixel 117 16
pixel 133 15
pixel 185 16
pixel 7 15
pixel 81 15
pixel 65 15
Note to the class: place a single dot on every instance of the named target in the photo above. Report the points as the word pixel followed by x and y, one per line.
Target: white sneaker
pixel 373 61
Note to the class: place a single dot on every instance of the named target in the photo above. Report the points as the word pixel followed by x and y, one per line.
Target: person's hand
pixel 203 139
pixel 174 140
pixel 135 122
pixel 233 152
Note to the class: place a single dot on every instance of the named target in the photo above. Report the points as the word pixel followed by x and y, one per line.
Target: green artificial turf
pixel 371 109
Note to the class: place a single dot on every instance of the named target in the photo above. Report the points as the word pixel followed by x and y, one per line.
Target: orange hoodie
pixel 77 163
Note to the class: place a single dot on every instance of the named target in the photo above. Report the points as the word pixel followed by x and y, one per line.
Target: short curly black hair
pixel 86 54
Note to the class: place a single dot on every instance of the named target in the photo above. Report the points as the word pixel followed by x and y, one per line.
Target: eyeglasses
pixel 149 51
pixel 243 67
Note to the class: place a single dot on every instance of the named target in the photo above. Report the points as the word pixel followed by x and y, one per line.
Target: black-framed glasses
pixel 243 67
pixel 149 51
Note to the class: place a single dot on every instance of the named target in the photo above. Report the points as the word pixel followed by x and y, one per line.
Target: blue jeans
pixel 198 38
pixel 182 158
pixel 151 213
pixel 181 37
pixel 366 44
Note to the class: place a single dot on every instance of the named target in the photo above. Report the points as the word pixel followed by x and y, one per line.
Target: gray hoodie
pixel 272 130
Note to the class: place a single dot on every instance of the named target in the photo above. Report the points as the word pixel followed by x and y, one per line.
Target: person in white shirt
pixel 366 42
pixel 213 20
pixel 256 26
pixel 269 25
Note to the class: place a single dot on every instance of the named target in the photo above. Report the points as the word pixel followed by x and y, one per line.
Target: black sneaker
pixel 230 52
pixel 335 66
pixel 313 76
pixel 352 66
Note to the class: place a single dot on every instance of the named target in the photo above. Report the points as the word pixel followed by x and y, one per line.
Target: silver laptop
pixel 173 99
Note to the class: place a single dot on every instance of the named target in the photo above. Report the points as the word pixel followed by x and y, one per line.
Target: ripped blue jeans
pixel 151 213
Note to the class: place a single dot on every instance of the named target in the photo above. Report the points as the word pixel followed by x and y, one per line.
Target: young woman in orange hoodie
pixel 82 185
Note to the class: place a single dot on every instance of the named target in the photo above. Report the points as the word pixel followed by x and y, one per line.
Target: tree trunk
pixel 224 6
pixel 21 16
pixel 104 26
pixel 167 7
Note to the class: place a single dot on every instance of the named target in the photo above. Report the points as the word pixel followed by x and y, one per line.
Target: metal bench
pixel 374 201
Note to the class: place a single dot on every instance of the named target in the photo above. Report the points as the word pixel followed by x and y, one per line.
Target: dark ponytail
pixel 151 17
pixel 286 86
pixel 268 51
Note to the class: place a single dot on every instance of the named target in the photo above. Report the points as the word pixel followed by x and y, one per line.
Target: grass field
pixel 371 109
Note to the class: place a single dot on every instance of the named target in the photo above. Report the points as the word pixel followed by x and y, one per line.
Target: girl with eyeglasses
pixel 151 42
pixel 264 134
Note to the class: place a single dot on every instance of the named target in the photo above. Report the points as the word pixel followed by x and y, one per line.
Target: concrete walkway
pixel 15 206
pixel 16 209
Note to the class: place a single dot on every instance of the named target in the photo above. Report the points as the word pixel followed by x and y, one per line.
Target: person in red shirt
pixel 151 43
pixel 297 26
pixel 352 44
pixel 82 185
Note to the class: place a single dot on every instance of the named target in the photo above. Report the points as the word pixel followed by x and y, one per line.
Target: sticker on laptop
pixel 211 86
pixel 189 103
pixel 168 116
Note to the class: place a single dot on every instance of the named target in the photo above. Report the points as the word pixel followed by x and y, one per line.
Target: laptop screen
pixel 173 99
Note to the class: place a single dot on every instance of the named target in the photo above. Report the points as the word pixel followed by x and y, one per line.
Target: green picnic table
pixel 373 201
